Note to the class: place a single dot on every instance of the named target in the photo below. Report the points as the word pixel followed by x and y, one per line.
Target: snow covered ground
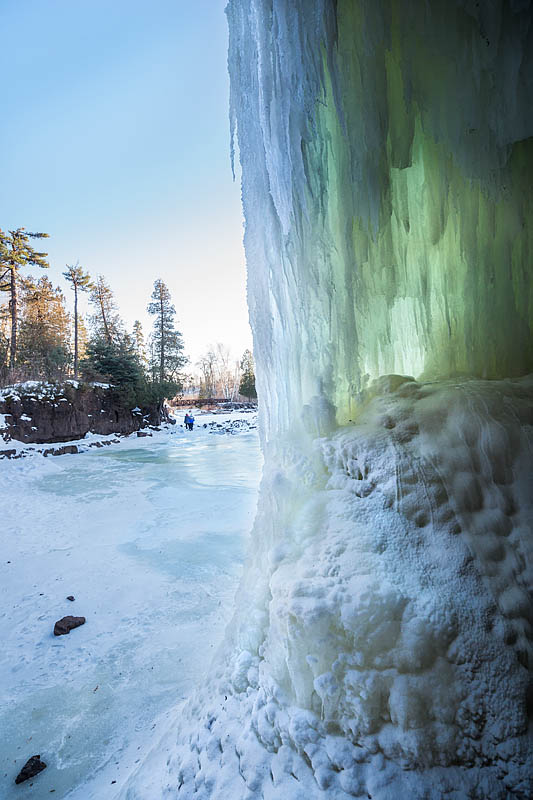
pixel 148 535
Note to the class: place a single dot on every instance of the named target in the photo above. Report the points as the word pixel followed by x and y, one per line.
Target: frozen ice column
pixel 387 167
pixel 387 163
pixel 382 641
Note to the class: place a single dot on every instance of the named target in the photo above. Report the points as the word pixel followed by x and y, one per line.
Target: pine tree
pixel 81 282
pixel 167 357
pixel 247 384
pixel 111 361
pixel 44 330
pixel 106 320
pixel 16 252
pixel 139 345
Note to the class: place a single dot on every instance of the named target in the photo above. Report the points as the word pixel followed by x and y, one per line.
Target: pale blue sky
pixel 114 139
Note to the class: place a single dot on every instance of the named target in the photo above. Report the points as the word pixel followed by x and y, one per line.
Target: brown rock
pixel 69 449
pixel 66 624
pixel 68 413
pixel 32 767
pixel 8 453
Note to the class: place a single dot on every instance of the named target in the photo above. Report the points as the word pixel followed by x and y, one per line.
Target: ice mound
pixel 382 644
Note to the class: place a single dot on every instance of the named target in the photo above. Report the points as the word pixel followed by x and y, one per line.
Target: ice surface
pixel 385 624
pixel 148 536
pixel 387 165
pixel 381 645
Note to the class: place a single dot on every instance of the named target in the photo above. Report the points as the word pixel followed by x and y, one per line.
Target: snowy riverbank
pixel 38 412
pixel 227 423
pixel 148 535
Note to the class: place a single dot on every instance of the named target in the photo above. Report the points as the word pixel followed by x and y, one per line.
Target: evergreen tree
pixel 118 363
pixel 115 362
pixel 139 345
pixel 81 282
pixel 106 320
pixel 247 384
pixel 44 330
pixel 16 252
pixel 166 352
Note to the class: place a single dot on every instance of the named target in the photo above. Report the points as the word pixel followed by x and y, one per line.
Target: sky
pixel 115 141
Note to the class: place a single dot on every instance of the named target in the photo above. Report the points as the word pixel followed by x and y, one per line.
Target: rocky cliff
pixel 35 412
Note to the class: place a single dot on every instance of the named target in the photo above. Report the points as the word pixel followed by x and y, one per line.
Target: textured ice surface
pixel 387 158
pixel 382 642
pixel 148 536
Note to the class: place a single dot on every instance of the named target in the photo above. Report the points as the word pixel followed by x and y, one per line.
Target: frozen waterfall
pixel 382 640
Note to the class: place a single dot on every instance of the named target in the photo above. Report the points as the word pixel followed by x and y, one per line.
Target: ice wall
pixel 387 167
pixel 382 643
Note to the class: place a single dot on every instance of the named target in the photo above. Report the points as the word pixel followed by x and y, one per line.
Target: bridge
pixel 193 402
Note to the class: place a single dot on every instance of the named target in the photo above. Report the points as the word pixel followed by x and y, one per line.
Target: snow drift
pixel 381 645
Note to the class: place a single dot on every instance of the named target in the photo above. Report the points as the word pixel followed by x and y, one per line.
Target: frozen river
pixel 149 537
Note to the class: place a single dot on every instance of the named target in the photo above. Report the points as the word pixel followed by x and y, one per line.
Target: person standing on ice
pixel 191 421
pixel 186 420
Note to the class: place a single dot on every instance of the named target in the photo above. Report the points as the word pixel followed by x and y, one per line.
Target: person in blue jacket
pixel 191 421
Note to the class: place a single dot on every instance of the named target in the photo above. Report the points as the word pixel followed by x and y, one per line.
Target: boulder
pixel 66 624
pixel 69 449
pixel 31 768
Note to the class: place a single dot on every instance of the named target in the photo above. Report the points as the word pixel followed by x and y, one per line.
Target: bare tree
pixel 206 364
pixel 220 373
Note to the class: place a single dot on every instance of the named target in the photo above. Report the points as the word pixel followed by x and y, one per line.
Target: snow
pixel 41 390
pixel 383 632
pixel 148 536
pixel 24 449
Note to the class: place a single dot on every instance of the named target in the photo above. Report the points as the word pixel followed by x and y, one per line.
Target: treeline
pixel 221 377
pixel 41 340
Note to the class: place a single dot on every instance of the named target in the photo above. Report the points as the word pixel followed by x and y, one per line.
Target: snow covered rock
pixel 35 412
